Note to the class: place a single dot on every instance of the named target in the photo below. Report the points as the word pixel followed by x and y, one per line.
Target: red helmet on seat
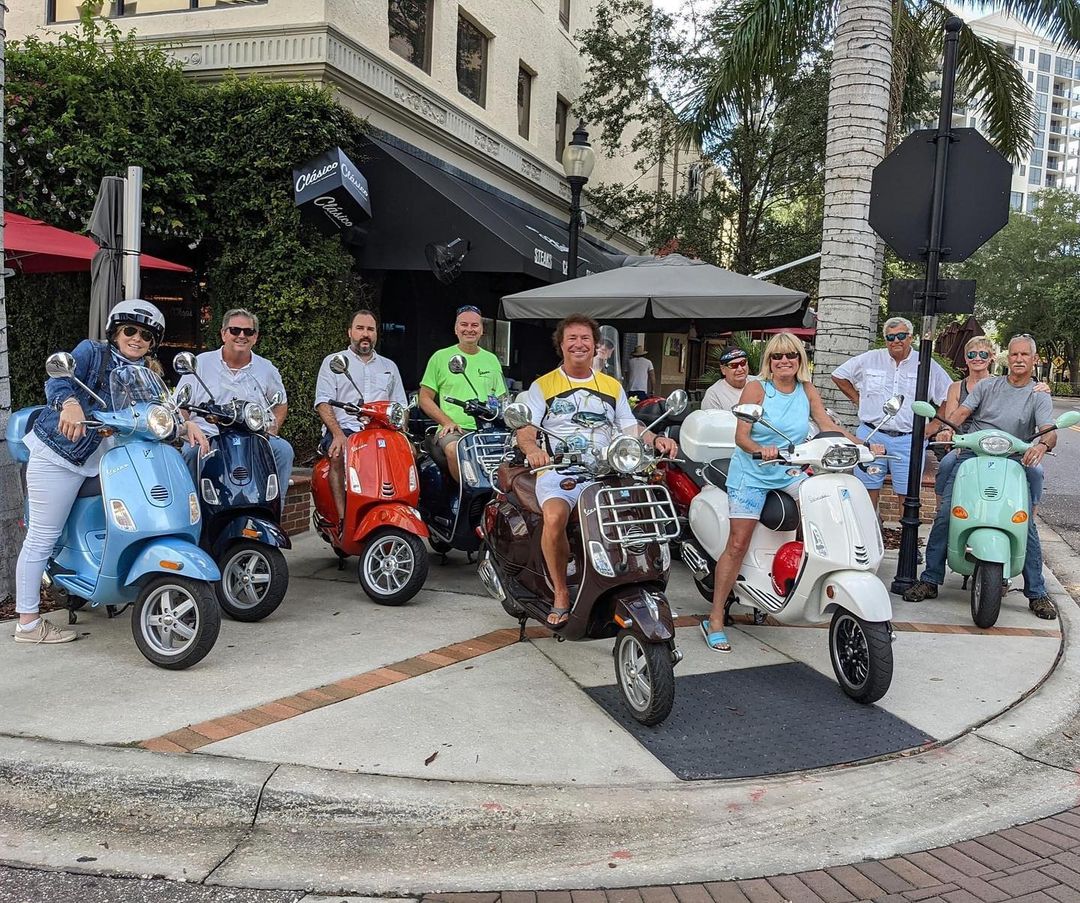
pixel 785 567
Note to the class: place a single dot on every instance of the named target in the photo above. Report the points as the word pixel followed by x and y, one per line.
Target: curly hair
pixel 575 320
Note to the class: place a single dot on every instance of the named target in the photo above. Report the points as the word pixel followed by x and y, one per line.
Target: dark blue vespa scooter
pixel 132 535
pixel 451 511
pixel 241 500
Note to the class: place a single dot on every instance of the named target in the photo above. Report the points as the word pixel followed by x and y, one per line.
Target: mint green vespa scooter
pixel 988 524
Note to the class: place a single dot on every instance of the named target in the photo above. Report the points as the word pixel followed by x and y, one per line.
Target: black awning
pixel 416 202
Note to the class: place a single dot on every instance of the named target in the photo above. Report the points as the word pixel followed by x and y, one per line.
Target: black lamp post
pixel 578 161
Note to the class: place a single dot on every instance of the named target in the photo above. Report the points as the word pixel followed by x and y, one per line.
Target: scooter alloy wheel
pixel 645 674
pixel 862 658
pixel 175 621
pixel 254 580
pixel 986 592
pixel 393 566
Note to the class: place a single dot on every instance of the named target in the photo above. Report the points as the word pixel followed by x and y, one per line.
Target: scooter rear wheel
pixel 645 674
pixel 175 621
pixel 393 566
pixel 987 587
pixel 861 653
pixel 254 580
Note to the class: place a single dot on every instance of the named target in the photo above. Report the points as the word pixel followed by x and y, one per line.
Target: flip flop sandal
pixel 716 640
pixel 562 615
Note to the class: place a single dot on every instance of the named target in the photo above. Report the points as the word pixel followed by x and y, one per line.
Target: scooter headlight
pixel 160 422
pixel 600 561
pixel 840 457
pixel 995 445
pixel 193 508
pixel 396 416
pixel 625 454
pixel 254 417
pixel 121 516
pixel 468 472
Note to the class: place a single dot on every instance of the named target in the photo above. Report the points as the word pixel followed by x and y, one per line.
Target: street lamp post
pixel 578 161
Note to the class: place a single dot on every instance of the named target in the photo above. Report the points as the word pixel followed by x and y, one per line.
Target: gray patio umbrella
pixel 106 269
pixel 655 294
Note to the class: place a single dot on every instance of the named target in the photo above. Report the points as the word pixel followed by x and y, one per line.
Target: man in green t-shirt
pixel 483 370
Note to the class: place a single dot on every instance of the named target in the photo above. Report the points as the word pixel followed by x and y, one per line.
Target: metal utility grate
pixel 632 516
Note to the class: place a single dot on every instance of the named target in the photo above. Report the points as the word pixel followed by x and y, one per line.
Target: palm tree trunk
pixel 10 492
pixel 849 286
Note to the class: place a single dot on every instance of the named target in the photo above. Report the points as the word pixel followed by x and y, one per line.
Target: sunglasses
pixel 738 362
pixel 130 331
pixel 897 336
pixel 784 356
pixel 467 309
pixel 249 331
pixel 971 355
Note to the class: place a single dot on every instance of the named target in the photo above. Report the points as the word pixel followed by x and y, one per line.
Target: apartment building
pixel 476 93
pixel 1054 77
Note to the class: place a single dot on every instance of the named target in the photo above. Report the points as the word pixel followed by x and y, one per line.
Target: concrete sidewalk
pixel 343 746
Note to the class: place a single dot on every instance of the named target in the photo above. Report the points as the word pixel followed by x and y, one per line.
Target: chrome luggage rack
pixel 631 516
pixel 491 446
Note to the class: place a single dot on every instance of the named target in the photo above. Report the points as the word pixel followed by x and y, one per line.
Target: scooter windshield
pixel 131 385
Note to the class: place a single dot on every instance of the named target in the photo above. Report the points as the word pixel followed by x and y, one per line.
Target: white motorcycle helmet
pixel 142 313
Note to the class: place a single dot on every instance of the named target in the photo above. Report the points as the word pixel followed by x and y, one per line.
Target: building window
pixel 68 10
pixel 1020 53
pixel 1040 121
pixel 410 30
pixel 564 13
pixel 1032 202
pixel 1042 83
pixel 1042 101
pixel 1016 200
pixel 1031 55
pixel 1034 176
pixel 1040 139
pixel 1036 158
pixel 524 99
pixel 472 47
pixel 1044 62
pixel 1030 76
pixel 562 113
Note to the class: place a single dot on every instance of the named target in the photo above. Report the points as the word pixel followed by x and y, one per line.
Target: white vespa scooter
pixel 802 568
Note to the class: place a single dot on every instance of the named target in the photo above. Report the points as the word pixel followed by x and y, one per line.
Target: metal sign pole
pixel 909 541
pixel 132 231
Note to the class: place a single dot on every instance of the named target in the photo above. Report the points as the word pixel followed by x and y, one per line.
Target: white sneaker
pixel 46 633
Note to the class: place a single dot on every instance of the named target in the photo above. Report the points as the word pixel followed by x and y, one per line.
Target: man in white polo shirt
pixel 378 380
pixel 235 371
pixel 873 377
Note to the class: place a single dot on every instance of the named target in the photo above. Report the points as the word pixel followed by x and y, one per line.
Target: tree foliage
pixel 217 163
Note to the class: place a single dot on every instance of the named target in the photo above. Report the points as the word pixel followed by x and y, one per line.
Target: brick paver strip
pixel 884 877
pixel 1007 848
pixel 961 862
pixel 828 888
pixel 1064 894
pixel 856 882
pixel 757 890
pixel 556 896
pixel 654 895
pixel 791 888
pixel 983 890
pixel 983 854
pixel 692 893
pixel 518 896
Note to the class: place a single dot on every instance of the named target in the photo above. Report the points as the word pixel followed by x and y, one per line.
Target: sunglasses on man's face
pixel 249 331
pixel 784 356
pixel 897 336
pixel 983 355
pixel 738 362
pixel 130 331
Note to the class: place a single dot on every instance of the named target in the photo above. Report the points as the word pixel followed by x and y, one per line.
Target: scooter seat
pixel 780 513
pixel 520 485
pixel 715 472
pixel 90 488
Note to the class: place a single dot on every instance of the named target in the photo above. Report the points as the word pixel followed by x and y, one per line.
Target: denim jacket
pixel 88 366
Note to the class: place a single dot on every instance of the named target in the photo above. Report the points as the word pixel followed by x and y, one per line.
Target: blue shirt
pixel 788 413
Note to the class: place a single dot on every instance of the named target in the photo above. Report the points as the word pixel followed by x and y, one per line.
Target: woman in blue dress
pixel 789 402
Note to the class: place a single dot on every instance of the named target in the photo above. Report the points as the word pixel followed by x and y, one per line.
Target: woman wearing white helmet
pixel 63 453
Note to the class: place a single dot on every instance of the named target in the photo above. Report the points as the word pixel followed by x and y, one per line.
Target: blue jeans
pixel 283 462
pixel 938 543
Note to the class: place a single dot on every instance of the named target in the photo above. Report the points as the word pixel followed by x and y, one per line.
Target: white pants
pixel 51 491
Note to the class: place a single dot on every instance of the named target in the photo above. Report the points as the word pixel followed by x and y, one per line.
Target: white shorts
pixel 547 487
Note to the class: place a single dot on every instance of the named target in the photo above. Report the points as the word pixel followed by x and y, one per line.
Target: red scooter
pixel 381 524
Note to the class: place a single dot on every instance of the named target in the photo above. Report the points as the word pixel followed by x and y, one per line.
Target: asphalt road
pixel 1061 496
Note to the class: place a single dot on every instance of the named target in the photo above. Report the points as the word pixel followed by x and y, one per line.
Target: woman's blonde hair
pixel 785 341
pixel 980 341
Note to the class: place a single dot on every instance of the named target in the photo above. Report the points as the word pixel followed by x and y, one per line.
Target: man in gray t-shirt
pixel 1008 403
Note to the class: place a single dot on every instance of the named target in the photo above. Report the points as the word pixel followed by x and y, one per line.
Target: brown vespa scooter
pixel 619 535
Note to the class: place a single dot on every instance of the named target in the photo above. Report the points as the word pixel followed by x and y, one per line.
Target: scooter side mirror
pixel 183 395
pixel 517 415
pixel 676 402
pixel 414 401
pixel 923 408
pixel 748 413
pixel 60 365
pixel 275 399
pixel 184 363
pixel 1069 418
pixel 339 364
pixel 456 364
pixel 892 407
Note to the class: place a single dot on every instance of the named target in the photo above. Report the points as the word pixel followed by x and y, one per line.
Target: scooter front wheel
pixel 175 621
pixel 861 653
pixel 645 673
pixel 393 566
pixel 254 580
pixel 986 591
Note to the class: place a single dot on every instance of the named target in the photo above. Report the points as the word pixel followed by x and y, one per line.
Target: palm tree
pixel 883 51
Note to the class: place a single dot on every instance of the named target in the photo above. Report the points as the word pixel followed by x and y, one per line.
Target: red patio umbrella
pixel 32 246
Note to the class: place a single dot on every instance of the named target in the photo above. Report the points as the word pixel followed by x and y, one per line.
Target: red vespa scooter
pixel 381 524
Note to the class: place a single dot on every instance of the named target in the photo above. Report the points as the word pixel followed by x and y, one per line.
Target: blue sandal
pixel 716 640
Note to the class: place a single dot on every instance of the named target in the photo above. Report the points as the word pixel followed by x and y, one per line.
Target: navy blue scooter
pixel 241 499
pixel 451 511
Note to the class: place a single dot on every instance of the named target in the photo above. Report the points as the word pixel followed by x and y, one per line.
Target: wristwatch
pixel 1043 444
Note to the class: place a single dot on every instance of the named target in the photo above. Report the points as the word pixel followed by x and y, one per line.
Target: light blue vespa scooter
pixel 132 537
pixel 988 524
